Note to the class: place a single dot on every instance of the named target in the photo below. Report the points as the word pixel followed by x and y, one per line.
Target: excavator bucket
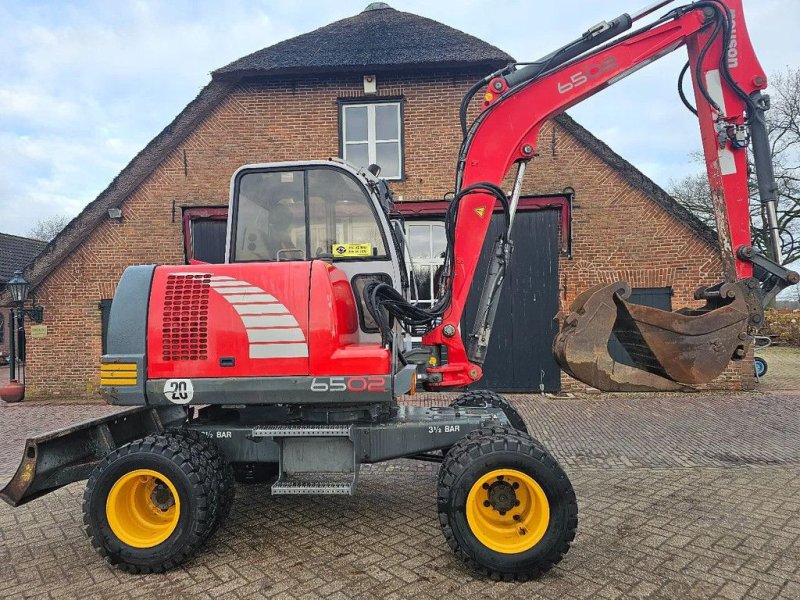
pixel 670 351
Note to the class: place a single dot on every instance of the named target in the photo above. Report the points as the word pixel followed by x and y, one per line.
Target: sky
pixel 85 85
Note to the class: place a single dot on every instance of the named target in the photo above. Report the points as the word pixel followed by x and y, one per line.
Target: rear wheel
pixel 148 505
pixel 505 505
pixel 489 399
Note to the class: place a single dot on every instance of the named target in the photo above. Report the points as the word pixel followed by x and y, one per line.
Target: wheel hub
pixel 161 496
pixel 502 497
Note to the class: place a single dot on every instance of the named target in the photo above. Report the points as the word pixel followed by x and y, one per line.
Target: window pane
pixel 355 124
pixel 419 241
pixel 439 241
pixel 387 155
pixel 386 121
pixel 357 154
pixel 422 276
pixel 341 217
pixel 270 217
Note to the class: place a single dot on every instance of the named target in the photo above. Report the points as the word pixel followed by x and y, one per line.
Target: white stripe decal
pixel 271 321
pixel 278 350
pixel 727 163
pixel 238 290
pixel 249 298
pixel 261 309
pixel 276 335
pixel 273 332
pixel 228 283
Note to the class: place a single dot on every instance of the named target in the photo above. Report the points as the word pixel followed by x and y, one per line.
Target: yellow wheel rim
pixel 143 508
pixel 508 511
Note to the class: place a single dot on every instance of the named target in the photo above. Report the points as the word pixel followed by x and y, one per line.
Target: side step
pixel 283 431
pixel 314 459
pixel 332 484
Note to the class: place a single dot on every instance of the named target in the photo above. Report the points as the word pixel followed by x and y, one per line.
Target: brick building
pixel 382 86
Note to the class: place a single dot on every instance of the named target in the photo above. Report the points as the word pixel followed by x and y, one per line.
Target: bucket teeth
pixel 671 351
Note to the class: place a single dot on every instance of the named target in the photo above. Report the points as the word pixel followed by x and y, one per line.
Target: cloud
pixel 83 87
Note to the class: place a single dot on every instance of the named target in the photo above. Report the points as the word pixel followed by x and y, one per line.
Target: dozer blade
pixel 58 458
pixel 671 351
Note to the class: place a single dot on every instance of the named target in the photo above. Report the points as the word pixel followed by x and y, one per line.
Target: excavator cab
pixel 323 210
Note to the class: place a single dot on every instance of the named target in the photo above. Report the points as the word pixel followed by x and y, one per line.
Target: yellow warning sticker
pixel 480 211
pixel 352 250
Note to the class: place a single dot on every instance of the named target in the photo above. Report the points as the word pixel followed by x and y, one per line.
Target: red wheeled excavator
pixel 285 363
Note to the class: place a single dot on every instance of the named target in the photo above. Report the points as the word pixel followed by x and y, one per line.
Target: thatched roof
pixel 378 39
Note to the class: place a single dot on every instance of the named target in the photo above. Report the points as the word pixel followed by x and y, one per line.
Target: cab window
pixel 342 220
pixel 270 217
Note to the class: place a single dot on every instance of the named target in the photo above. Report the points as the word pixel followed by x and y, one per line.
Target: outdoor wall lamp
pixel 19 288
pixel 115 213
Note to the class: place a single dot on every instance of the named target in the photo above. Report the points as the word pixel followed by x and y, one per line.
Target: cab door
pixel 346 227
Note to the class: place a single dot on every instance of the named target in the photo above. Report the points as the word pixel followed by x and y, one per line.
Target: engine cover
pixel 255 320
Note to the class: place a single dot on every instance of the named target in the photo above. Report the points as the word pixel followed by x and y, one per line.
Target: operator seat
pixel 279 235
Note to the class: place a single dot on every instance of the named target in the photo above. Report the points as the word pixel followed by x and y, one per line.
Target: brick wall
pixel 618 232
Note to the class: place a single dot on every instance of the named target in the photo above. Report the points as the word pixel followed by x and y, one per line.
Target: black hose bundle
pixel 384 302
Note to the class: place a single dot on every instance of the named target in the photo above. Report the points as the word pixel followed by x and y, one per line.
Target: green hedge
pixel 783 326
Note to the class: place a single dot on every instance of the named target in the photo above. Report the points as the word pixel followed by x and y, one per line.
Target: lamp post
pixel 18 288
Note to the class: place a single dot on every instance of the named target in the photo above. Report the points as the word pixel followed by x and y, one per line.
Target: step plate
pixel 321 488
pixel 275 431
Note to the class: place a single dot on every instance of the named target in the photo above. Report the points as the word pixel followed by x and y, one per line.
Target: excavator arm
pixel 670 350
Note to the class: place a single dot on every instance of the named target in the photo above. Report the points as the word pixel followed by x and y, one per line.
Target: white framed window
pixel 372 133
pixel 427 243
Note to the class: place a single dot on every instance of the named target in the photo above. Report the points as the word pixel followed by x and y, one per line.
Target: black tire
pixel 489 399
pixel 221 477
pixel 760 366
pixel 473 459
pixel 173 458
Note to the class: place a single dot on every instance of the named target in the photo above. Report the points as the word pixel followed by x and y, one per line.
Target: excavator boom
pixel 669 350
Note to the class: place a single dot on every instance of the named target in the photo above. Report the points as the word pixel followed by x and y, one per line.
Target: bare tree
pixel 783 125
pixel 48 228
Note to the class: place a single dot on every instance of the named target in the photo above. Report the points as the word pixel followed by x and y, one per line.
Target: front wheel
pixel 505 505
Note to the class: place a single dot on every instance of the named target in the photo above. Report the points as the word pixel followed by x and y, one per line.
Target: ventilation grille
pixel 185 330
